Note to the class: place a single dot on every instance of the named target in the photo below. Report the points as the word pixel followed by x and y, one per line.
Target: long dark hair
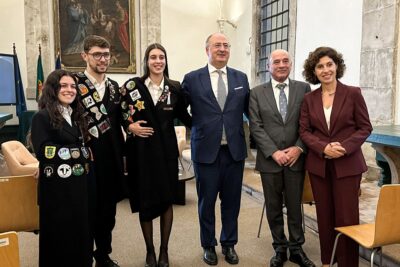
pixel 146 71
pixel 49 101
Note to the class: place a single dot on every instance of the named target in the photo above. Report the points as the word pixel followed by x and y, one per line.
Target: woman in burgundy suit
pixel 334 123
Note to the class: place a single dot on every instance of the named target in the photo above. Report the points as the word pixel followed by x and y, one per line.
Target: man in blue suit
pixel 218 96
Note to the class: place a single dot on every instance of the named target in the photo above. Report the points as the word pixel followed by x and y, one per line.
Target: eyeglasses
pixel 220 45
pixel 99 55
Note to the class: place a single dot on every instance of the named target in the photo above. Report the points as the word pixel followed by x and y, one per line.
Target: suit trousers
pixel 336 201
pixel 287 186
pixel 223 177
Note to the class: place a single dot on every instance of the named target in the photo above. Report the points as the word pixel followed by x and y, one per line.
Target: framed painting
pixel 113 20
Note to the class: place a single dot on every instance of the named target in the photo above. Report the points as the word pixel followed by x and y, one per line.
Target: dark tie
pixel 221 90
pixel 282 100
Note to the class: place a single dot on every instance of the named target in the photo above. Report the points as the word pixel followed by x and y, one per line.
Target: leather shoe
pixel 301 259
pixel 278 259
pixel 151 260
pixel 209 256
pixel 163 258
pixel 106 263
pixel 230 255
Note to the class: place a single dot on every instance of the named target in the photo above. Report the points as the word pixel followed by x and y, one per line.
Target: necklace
pixel 329 94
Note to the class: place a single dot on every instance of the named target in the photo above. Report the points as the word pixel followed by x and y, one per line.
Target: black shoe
pixel 209 256
pixel 163 258
pixel 278 259
pixel 301 259
pixel 151 260
pixel 230 255
pixel 106 263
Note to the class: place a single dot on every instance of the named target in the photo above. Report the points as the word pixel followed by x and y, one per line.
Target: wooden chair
pixel 9 250
pixel 385 230
pixel 18 209
pixel 307 198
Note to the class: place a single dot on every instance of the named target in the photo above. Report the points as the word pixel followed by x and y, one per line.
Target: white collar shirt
pixel 214 78
pixel 66 112
pixel 100 87
pixel 277 91
pixel 154 89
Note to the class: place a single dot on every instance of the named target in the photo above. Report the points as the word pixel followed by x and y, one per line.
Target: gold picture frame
pixel 112 19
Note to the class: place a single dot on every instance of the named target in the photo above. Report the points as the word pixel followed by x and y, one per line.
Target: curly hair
pixel 146 71
pixel 49 100
pixel 313 59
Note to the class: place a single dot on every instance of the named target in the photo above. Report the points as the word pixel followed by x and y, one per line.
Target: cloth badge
pixel 132 110
pixel 125 115
pixel 96 96
pixel 139 105
pixel 164 95
pixel 85 152
pixel 87 168
pixel 48 171
pixel 49 152
pixel 98 114
pixel 84 90
pixel 88 82
pixel 130 85
pixel 63 153
pixel 104 126
pixel 122 90
pixel 103 109
pixel 88 101
pixel 135 95
pixel 75 154
pixel 77 170
pixel 93 131
pixel 124 105
pixel 64 171
pixel 80 74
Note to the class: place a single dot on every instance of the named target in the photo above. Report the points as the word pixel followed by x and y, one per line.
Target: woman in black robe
pixel 150 104
pixel 58 134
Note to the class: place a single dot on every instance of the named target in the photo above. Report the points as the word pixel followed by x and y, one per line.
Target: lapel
pixel 232 82
pixel 292 96
pixel 317 103
pixel 146 94
pixel 73 131
pixel 269 95
pixel 165 94
pixel 338 101
pixel 207 87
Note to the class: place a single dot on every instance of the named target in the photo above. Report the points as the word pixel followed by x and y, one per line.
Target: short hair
pixel 95 40
pixel 313 59
pixel 146 71
pixel 211 35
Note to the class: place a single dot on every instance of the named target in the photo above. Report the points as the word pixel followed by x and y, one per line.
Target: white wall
pixel 13 31
pixel 337 24
pixel 187 24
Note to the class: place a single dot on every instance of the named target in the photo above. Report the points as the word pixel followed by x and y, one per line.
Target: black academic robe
pixel 65 237
pixel 152 162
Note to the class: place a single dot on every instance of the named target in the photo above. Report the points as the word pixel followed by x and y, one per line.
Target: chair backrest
pixel 180 132
pixel 18 209
pixel 307 191
pixel 19 160
pixel 387 220
pixel 9 250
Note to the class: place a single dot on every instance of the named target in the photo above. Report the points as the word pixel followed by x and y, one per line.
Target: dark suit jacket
pixel 269 130
pixel 350 126
pixel 208 117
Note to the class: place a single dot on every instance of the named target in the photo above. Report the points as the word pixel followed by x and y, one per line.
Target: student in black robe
pixel 150 104
pixel 58 134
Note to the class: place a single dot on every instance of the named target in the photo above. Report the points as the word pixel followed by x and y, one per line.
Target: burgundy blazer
pixel 349 125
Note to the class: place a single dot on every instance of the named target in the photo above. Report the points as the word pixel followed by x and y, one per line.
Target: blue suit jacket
pixel 208 118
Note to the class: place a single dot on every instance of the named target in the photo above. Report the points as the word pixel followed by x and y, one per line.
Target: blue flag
pixel 58 62
pixel 21 103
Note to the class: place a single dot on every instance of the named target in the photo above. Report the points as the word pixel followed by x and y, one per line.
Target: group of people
pixel 77 136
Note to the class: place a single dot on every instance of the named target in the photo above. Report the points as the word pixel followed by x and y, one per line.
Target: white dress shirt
pixel 100 87
pixel 154 89
pixel 66 113
pixel 277 91
pixel 214 78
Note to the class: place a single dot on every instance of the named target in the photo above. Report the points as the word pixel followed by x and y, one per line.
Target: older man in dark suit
pixel 218 96
pixel 274 122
